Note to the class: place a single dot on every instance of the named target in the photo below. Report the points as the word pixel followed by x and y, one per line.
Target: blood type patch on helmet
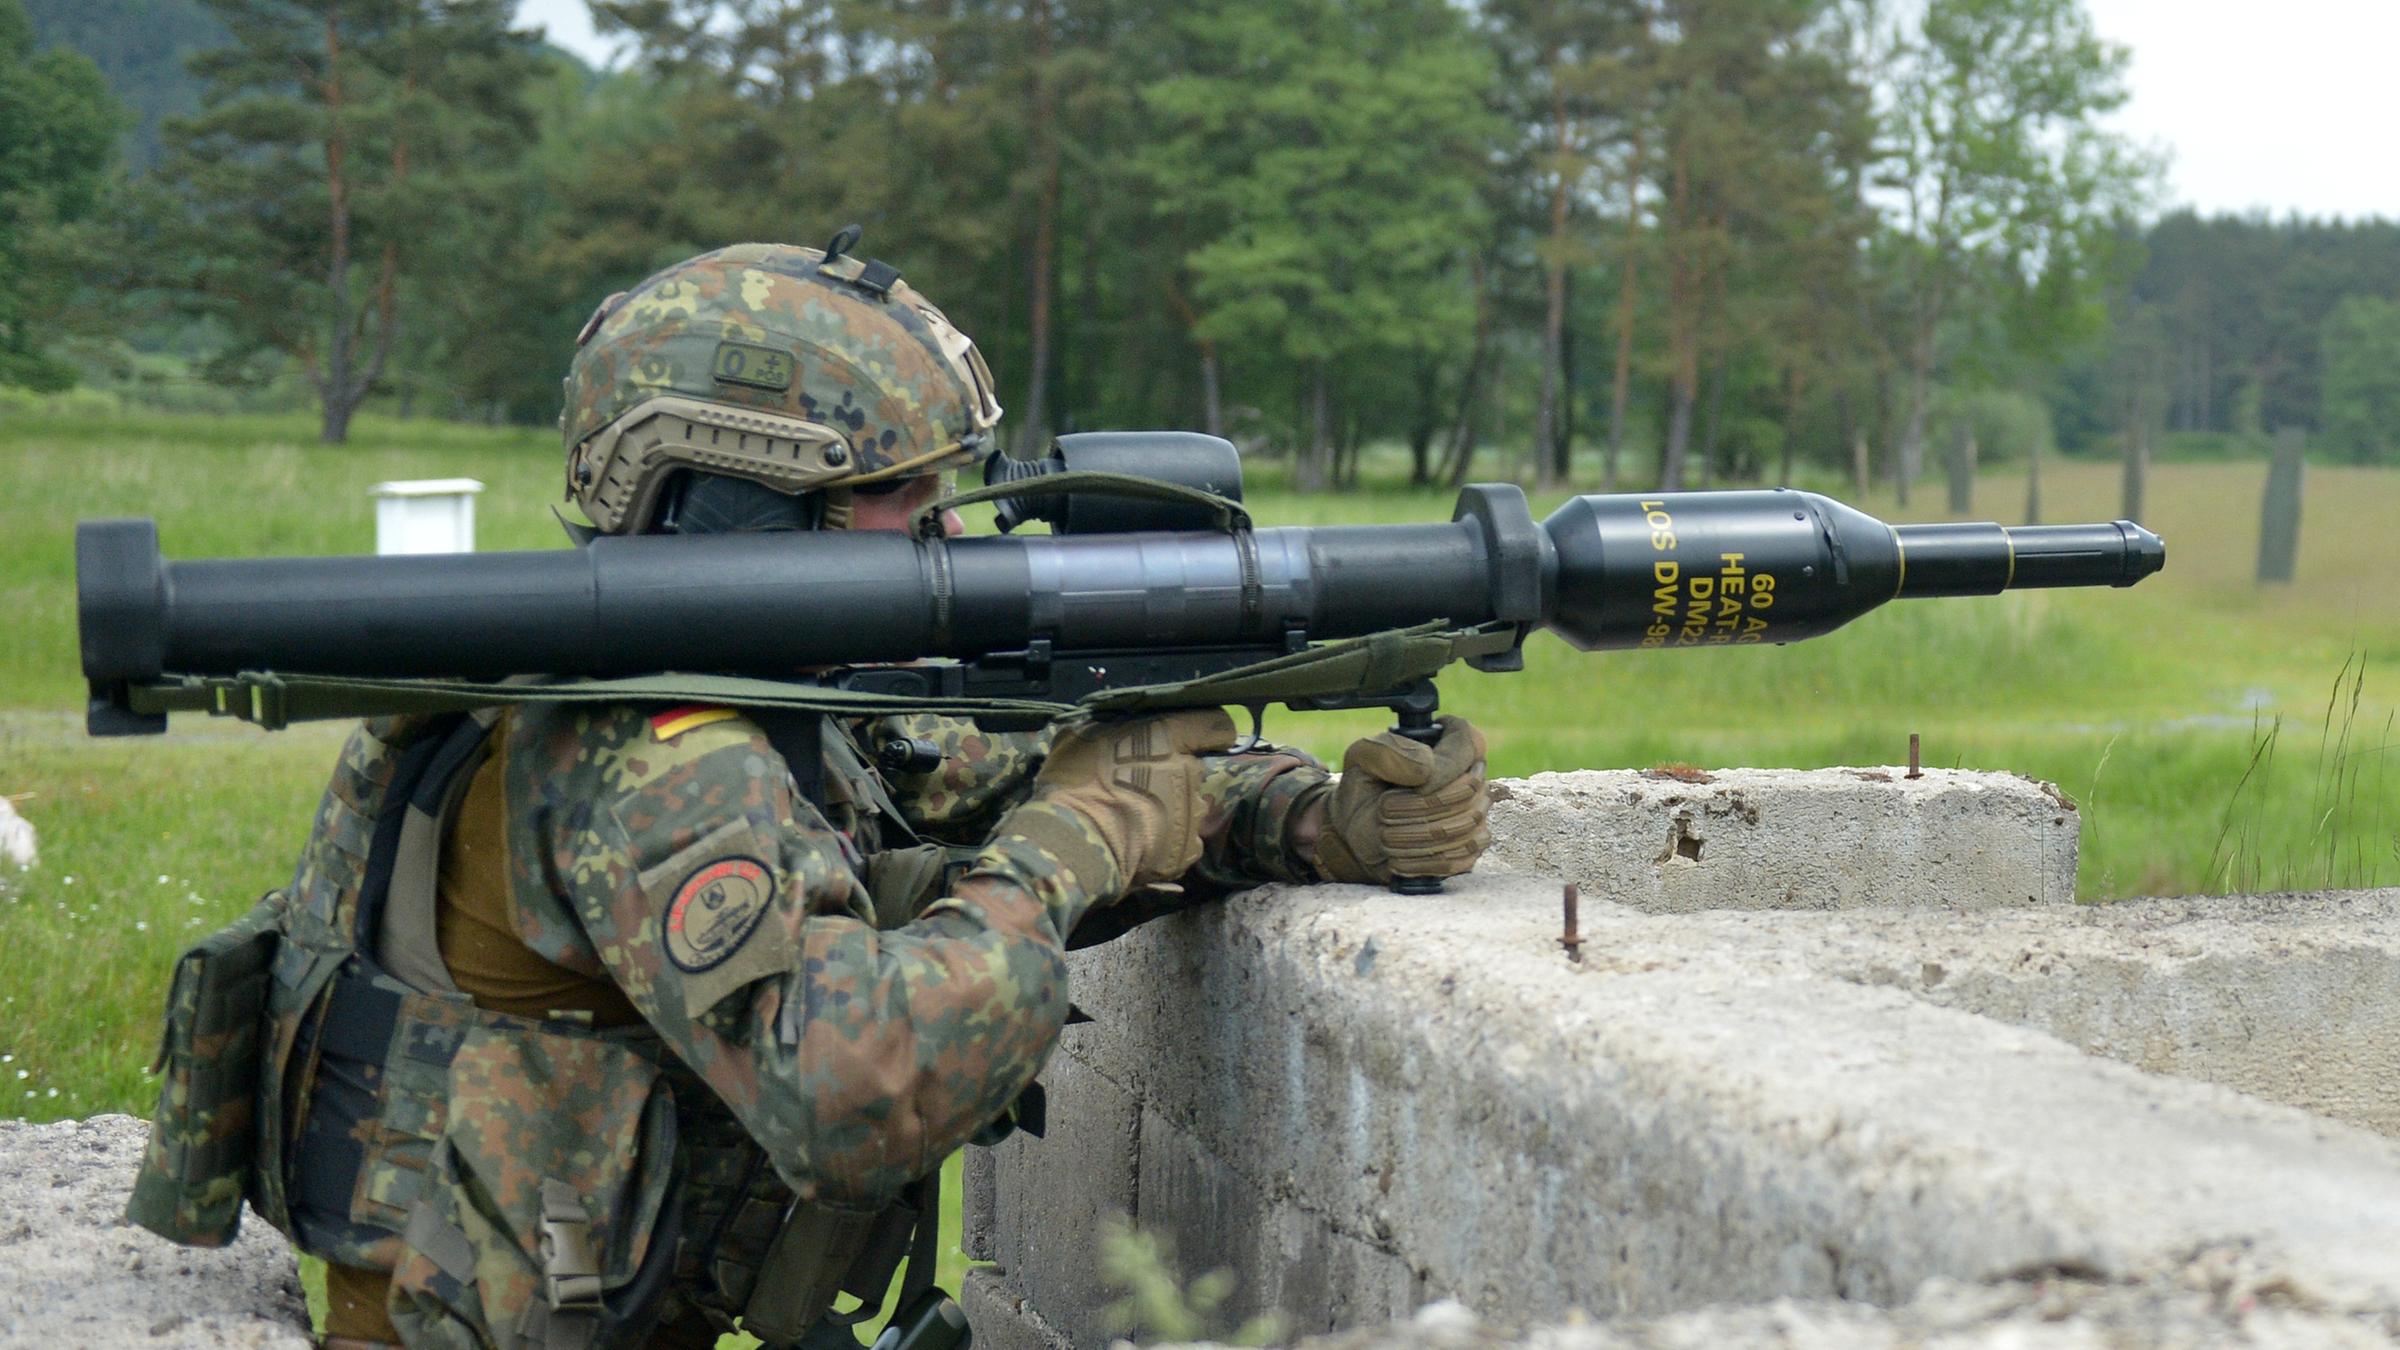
pixel 753 365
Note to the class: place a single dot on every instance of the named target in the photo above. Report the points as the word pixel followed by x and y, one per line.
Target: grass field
pixel 2218 736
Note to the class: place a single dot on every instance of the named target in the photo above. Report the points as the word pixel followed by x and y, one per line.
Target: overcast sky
pixel 2284 107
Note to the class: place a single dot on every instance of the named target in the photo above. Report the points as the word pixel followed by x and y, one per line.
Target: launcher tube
pixel 1628 570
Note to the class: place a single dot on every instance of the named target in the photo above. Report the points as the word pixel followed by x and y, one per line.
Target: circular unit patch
pixel 715 910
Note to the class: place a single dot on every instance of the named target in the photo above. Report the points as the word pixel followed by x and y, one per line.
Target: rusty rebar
pixel 1571 939
pixel 1913 770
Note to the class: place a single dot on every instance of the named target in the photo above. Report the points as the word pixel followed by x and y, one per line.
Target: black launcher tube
pixel 1615 571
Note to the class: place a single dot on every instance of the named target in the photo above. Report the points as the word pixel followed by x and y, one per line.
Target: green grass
pixel 2218 736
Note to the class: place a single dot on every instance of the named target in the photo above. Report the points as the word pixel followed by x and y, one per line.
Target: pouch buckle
pixel 570 1264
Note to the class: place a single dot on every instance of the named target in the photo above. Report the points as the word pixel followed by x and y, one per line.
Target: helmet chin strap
pixel 836 510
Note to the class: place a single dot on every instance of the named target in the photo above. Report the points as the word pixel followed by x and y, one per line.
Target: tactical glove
pixel 1119 802
pixel 1404 809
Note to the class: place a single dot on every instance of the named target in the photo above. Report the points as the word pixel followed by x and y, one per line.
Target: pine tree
pixel 1334 145
pixel 336 137
pixel 58 127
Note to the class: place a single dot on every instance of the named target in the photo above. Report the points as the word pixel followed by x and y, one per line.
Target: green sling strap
pixel 1349 668
pixel 275 701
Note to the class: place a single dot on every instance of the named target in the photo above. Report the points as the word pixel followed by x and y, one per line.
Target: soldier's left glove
pixel 1404 809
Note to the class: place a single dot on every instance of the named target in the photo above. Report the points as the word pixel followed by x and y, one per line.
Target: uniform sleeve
pixel 981 774
pixel 731 915
pixel 1252 802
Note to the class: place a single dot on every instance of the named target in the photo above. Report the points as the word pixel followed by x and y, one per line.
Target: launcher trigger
pixel 1257 739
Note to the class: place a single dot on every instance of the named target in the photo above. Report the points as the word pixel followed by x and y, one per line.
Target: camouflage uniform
pixel 857 1058
pixel 625 1012
pixel 665 857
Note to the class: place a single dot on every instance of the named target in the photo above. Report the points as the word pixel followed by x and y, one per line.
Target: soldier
pixel 589 1027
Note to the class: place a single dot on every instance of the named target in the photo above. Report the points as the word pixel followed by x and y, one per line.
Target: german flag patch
pixel 675 721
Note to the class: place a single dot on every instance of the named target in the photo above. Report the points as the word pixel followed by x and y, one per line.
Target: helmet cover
pixel 771 363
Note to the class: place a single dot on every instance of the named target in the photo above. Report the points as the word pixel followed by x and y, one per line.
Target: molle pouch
pixel 548 1217
pixel 202 1136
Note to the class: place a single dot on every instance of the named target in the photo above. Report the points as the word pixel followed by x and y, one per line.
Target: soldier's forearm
pixel 882 1052
pixel 1263 813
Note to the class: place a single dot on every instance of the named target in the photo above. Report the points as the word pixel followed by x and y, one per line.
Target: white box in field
pixel 426 515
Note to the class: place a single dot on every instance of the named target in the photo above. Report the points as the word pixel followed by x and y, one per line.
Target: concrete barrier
pixel 2293 998
pixel 2217 1311
pixel 1689 839
pixel 1362 1103
pixel 74 1273
pixel 1887 1118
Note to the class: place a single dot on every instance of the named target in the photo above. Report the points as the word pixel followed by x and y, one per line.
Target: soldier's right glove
pixel 1408 810
pixel 1123 798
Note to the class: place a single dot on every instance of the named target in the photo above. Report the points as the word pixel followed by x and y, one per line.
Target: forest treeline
pixel 1638 242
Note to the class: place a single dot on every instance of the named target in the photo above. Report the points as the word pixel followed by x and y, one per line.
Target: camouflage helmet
pixel 797 368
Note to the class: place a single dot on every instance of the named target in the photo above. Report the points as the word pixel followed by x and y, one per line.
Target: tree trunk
pixel 1912 432
pixel 1550 451
pixel 345 382
pixel 1679 433
pixel 333 382
pixel 1687 292
pixel 2033 481
pixel 1082 405
pixel 1034 429
pixel 1569 396
pixel 1962 474
pixel 1621 392
pixel 1317 458
pixel 1212 397
pixel 2279 511
pixel 1423 423
pixel 1712 421
pixel 334 429
pixel 1458 461
pixel 1549 448
pixel 1460 457
pixel 1860 479
pixel 2137 461
pixel 1795 389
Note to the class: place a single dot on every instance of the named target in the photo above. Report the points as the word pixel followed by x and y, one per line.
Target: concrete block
pixel 2285 997
pixel 979 1206
pixel 2215 1310
pixel 2292 998
pixel 1790 839
pixel 1053 1197
pixel 1290 1260
pixel 73 1272
pixel 1003 1320
pixel 1707 1109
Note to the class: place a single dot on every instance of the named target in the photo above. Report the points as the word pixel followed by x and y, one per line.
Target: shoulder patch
pixel 715 910
pixel 672 723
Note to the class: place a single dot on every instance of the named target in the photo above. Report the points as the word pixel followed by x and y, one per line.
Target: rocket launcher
pixel 1154 590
